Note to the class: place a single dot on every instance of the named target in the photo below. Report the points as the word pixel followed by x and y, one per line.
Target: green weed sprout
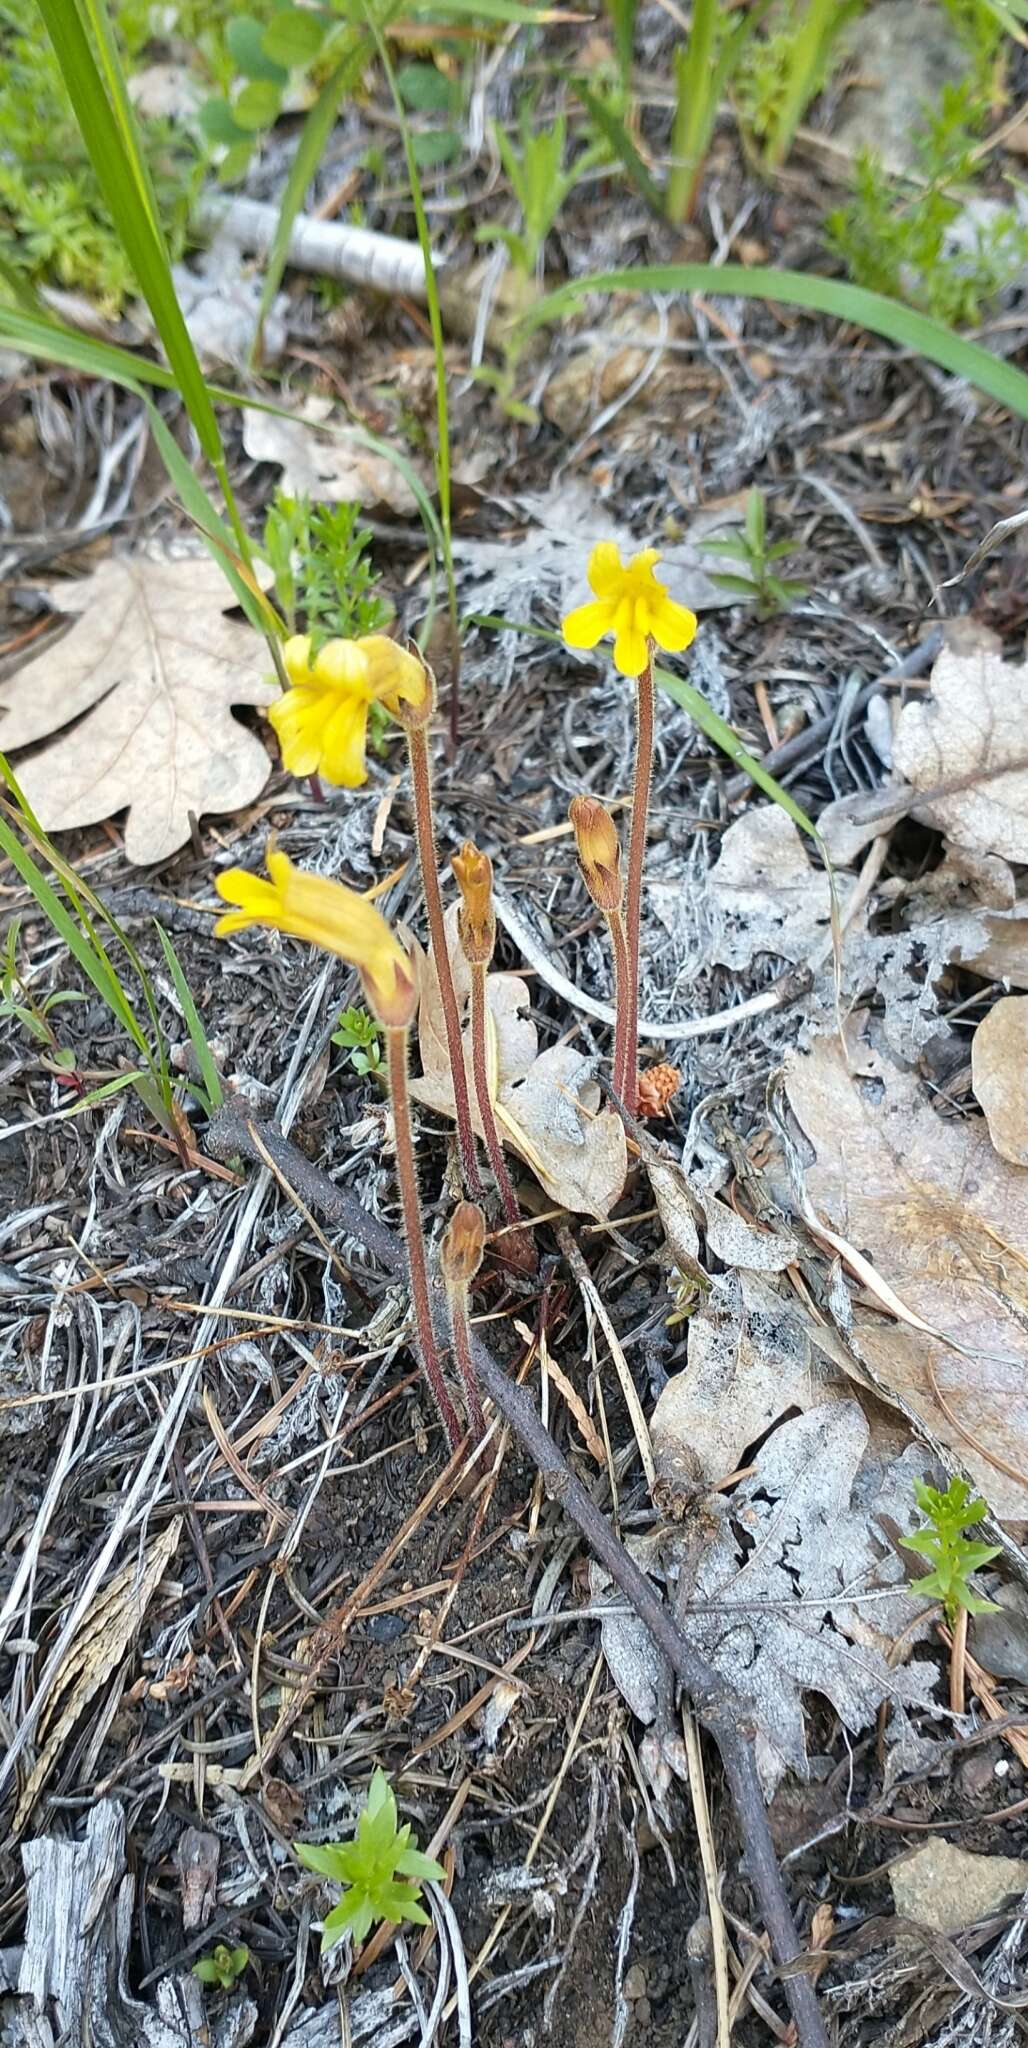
pixel 757 583
pixel 222 1966
pixel 322 551
pixel 359 1033
pixel 372 1868
pixel 943 1543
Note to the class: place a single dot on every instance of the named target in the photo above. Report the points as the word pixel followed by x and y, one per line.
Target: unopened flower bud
pixel 476 925
pixel 463 1244
pixel 599 851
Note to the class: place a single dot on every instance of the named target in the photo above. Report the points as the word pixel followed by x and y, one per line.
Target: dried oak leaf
pixel 944 1223
pixel 325 459
pixel 770 1604
pixel 138 700
pixel 999 1064
pixel 967 747
pixel 548 1110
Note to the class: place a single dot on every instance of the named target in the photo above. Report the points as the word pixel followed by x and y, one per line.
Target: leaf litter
pixel 136 704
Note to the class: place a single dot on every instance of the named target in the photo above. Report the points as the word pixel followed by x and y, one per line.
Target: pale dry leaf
pixel 328 461
pixel 729 1237
pixel 772 1603
pixel 944 1222
pixel 751 1358
pixel 769 897
pixel 548 1109
pixel 138 699
pixel 971 737
pixel 97 1650
pixel 999 1076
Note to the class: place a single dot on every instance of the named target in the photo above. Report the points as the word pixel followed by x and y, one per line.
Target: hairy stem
pixel 727 1715
pixel 457 1302
pixel 623 1000
pixel 421 778
pixel 410 1200
pixel 636 857
pixel 480 1068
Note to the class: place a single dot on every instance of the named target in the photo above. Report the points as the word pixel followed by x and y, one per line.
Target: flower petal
pixel 631 648
pixel 343 739
pixel 586 626
pixel 673 625
pixel 641 565
pixel 341 665
pixel 299 719
pixel 606 571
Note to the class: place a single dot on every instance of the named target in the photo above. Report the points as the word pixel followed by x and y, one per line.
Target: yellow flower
pixel 322 719
pixel 326 914
pixel 631 604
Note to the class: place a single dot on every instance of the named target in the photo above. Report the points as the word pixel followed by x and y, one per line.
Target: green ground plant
pixel 781 72
pixel 382 1870
pixel 320 558
pixel 223 1966
pixel 895 237
pixel 952 1557
pixel 358 1032
pixel 757 582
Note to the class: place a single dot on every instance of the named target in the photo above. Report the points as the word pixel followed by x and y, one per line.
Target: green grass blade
pixel 123 183
pixel 94 13
pixel 695 109
pixel 313 137
pixel 723 736
pixel 197 1035
pixel 615 132
pixel 442 453
pixel 92 959
pixel 849 302
pixel 714 728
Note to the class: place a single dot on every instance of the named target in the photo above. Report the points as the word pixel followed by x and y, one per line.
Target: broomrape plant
pixel 630 602
pixel 321 721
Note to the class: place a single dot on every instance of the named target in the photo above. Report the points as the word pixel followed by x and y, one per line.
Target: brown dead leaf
pixel 548 1109
pixel 999 1076
pixel 138 699
pixel 326 460
pixel 971 737
pixel 944 1223
pixel 770 898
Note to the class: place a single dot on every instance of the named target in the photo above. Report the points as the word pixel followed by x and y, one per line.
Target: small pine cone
pixel 657 1086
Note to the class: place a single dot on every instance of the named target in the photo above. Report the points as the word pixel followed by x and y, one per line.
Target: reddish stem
pixel 636 857
pixel 457 1299
pixel 410 1201
pixel 622 1000
pixel 482 1095
pixel 421 778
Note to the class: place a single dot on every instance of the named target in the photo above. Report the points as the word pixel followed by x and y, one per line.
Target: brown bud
pixel 476 925
pixel 463 1244
pixel 599 851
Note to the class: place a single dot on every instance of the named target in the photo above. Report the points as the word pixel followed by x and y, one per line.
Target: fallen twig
pixel 725 1714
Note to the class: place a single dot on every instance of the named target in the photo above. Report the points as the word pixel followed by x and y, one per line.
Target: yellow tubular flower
pixel 477 923
pixel 631 604
pixel 325 914
pixel 322 719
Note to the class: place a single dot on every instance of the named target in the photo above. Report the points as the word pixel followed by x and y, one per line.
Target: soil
pixel 306 1418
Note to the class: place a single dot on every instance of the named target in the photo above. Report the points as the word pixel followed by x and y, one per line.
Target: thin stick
pixel 728 1716
pixel 480 1068
pixel 421 779
pixel 625 1002
pixel 406 1174
pixel 636 858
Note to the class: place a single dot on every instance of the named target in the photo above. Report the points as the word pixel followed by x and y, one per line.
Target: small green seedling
pixel 372 1867
pixel 319 558
pixel 223 1966
pixel 758 585
pixel 948 1550
pixel 18 1000
pixel 359 1033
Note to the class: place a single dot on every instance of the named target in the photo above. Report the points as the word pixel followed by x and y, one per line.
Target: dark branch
pixel 728 1717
